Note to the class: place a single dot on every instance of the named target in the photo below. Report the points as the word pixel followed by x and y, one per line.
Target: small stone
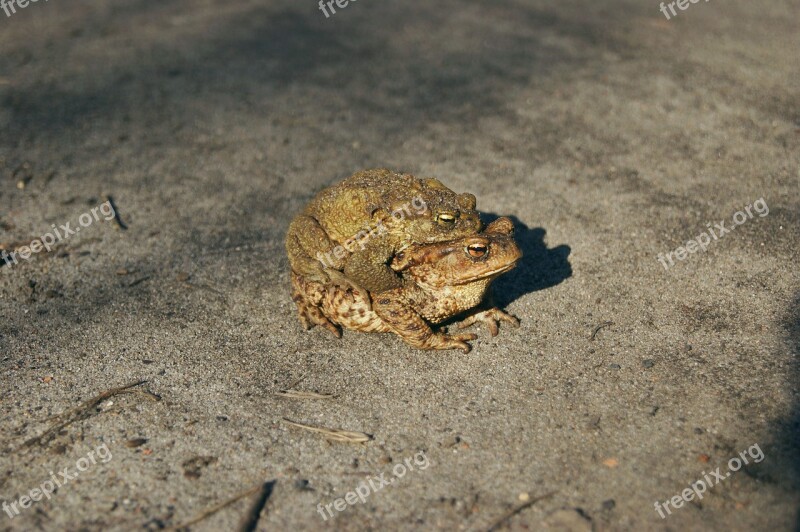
pixel 611 463
pixel 614 366
pixel 698 430
pixel 609 504
pixel 523 497
pixel 182 277
pixel 136 442
pixel 648 363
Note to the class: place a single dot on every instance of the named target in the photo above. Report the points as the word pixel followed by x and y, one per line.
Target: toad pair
pixel 399 254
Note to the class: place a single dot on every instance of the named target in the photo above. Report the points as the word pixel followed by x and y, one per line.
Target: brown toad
pixel 350 231
pixel 442 280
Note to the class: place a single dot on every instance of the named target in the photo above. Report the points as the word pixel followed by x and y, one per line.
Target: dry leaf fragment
pixel 344 436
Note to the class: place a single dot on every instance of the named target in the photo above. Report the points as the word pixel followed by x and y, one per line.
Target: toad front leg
pixel 368 267
pixel 491 318
pixel 398 314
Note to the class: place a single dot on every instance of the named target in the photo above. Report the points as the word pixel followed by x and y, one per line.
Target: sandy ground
pixel 610 133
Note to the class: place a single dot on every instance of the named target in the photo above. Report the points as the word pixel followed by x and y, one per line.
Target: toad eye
pixel 448 219
pixel 477 250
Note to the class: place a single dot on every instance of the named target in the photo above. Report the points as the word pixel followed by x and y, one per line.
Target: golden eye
pixel 477 250
pixel 446 218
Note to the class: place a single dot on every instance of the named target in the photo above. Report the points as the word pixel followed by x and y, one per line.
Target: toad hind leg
pixel 308 298
pixel 306 244
pixel 311 255
pixel 401 318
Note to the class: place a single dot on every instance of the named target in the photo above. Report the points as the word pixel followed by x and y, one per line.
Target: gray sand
pixel 610 133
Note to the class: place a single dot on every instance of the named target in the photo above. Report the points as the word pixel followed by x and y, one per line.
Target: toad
pixel 440 281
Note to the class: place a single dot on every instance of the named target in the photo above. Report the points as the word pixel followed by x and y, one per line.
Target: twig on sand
pixel 508 515
pixel 298 394
pixel 117 217
pixel 217 507
pixel 249 522
pixel 84 411
pixel 601 326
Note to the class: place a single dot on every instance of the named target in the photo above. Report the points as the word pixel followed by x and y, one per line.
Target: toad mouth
pixel 489 275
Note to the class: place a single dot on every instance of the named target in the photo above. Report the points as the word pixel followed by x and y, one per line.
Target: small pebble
pixel 303 485
pixel 648 363
pixel 609 504
pixel 614 366
pixel 524 497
